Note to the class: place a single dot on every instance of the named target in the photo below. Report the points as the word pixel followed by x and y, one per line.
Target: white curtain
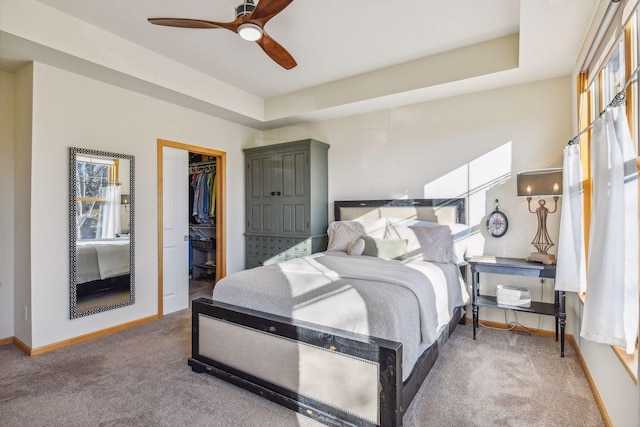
pixel 571 271
pixel 109 218
pixel 611 303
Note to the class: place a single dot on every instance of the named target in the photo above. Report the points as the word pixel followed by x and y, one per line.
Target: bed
pixel 346 336
pixel 102 264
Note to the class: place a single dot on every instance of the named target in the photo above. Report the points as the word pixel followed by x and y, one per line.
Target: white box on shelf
pixel 512 295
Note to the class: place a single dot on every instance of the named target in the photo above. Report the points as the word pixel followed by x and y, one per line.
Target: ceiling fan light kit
pixel 249 24
pixel 250 32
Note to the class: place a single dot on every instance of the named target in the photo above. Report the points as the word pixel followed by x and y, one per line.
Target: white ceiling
pixel 333 40
pixel 330 39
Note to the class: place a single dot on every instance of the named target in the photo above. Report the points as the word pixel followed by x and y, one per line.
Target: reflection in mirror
pixel 101 231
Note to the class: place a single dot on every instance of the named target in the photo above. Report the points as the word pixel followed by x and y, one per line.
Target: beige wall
pixel 7 182
pixel 22 205
pixel 471 145
pixel 74 111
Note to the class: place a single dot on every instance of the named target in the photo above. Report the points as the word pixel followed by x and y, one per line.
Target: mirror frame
pixel 73 285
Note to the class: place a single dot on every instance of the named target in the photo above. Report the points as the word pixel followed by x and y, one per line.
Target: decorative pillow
pixel 341 233
pixel 384 248
pixel 461 234
pixel 356 247
pixel 436 243
pixel 402 229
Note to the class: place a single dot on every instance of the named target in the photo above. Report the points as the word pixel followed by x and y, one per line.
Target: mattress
pixel 409 302
pixel 98 260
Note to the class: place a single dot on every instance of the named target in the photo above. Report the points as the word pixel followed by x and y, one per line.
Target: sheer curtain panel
pixel 611 303
pixel 571 272
pixel 109 218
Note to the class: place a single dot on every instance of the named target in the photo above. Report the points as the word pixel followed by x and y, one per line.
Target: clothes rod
pixel 208 162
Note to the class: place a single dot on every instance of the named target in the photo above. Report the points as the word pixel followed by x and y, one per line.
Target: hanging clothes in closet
pixel 202 212
pixel 203 189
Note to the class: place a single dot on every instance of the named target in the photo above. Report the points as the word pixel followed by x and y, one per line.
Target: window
pixel 96 194
pixel 607 75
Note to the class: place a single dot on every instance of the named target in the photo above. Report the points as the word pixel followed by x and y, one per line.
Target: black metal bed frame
pixel 394 395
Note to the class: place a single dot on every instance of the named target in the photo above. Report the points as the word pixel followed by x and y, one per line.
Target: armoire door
pixel 294 218
pixel 263 193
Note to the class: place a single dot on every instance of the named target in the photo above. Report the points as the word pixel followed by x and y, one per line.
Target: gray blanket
pixel 97 260
pixel 409 303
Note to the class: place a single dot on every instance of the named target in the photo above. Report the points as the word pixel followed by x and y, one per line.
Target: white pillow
pixel 409 222
pixel 341 233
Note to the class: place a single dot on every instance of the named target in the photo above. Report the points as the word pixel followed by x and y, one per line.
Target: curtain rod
pixel 617 100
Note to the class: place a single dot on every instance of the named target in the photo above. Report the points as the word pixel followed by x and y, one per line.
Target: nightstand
pixel 518 267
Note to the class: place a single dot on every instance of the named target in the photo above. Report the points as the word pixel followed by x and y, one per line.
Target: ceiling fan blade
pixel 195 23
pixel 276 52
pixel 267 9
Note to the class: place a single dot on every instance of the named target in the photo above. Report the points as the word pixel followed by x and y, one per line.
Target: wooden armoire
pixel 286 200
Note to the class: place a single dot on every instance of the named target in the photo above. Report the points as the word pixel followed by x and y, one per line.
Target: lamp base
pixel 543 258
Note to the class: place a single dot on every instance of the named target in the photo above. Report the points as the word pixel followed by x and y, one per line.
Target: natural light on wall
pixel 473 179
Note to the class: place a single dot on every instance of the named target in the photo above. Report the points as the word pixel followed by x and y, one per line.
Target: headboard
pixel 436 210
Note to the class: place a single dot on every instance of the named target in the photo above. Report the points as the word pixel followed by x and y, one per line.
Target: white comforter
pixel 407 302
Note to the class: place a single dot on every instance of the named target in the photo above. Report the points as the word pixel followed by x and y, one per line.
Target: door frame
pixel 221 204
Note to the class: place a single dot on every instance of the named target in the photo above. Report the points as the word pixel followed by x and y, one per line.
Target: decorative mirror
pixel 101 231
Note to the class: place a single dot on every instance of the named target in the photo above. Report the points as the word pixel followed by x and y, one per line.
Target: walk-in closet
pixel 202 217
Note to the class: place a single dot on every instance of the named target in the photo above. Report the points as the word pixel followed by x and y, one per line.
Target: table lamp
pixel 541 183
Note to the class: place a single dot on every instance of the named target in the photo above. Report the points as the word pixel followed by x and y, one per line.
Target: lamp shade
pixel 124 199
pixel 540 183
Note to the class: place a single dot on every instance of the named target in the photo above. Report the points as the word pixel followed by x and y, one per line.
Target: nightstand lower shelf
pixel 518 267
pixel 545 308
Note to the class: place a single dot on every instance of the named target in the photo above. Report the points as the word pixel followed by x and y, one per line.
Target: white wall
pixel 471 145
pixel 616 388
pixel 22 204
pixel 7 148
pixel 74 111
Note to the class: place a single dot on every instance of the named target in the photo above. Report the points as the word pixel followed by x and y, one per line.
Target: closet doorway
pixel 177 163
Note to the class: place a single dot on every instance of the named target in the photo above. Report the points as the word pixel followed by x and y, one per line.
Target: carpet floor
pixel 140 377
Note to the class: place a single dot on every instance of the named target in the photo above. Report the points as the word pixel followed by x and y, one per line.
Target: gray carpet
pixel 140 377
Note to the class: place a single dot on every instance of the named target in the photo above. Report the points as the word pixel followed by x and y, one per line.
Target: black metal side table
pixel 518 267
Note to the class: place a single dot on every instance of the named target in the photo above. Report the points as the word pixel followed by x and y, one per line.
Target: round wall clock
pixel 497 223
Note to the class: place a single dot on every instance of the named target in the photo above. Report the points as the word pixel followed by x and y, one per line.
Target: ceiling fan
pixel 249 24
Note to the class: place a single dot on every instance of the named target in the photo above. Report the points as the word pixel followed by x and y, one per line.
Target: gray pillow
pixel 341 233
pixel 436 243
pixel 384 248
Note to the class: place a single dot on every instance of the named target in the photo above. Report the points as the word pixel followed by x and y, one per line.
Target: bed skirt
pixel 333 376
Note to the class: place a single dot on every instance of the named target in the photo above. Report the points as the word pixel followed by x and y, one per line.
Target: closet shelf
pixel 207 266
pixel 203 244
